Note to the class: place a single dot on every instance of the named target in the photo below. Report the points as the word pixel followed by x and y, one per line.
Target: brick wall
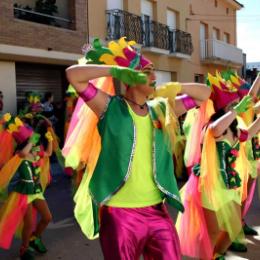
pixel 30 34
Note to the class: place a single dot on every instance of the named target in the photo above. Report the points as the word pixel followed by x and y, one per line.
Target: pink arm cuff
pixel 89 93
pixel 188 102
pixel 243 135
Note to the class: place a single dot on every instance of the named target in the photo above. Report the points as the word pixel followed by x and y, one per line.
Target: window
pixel 226 38
pixel 52 13
pixel 162 77
pixel 172 19
pixel 203 31
pixel 147 8
pixel 114 4
pixel 227 11
pixel 199 78
pixel 215 34
pixel 147 16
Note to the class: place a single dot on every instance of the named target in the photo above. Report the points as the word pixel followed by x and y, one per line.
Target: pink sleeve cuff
pixel 89 93
pixel 243 135
pixel 188 102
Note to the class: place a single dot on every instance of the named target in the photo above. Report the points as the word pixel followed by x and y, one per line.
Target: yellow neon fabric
pixel 140 189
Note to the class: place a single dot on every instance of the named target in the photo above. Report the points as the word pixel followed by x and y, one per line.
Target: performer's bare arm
pixel 219 126
pixel 49 149
pixel 254 128
pixel 26 151
pixel 198 92
pixel 79 76
pixel 253 92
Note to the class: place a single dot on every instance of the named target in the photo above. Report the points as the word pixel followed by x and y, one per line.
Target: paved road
pixel 65 241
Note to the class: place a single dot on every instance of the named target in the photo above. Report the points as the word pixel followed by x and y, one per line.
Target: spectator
pixel 48 109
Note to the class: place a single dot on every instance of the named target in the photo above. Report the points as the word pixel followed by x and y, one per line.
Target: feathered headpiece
pixel 34 99
pixel 223 93
pixel 240 84
pixel 16 127
pixel 117 53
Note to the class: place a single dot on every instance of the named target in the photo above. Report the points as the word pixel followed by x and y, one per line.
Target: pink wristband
pixel 188 102
pixel 89 93
pixel 243 135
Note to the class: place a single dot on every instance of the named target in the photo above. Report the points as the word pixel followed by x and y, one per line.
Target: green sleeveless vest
pixel 118 140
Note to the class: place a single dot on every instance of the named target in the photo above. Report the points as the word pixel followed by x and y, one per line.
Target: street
pixel 65 241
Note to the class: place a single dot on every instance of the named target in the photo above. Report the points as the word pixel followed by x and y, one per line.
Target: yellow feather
pixel 18 122
pixel 235 79
pixel 108 59
pixel 213 80
pixel 116 49
pixel 7 117
pixel 12 128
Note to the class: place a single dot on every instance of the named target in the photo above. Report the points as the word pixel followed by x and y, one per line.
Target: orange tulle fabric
pixel 6 147
pixel 191 225
pixel 195 121
pixel 83 143
pixel 8 171
pixel 11 215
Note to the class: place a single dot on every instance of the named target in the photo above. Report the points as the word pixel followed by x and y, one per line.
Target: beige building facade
pixel 213 27
pixel 185 39
pixel 35 48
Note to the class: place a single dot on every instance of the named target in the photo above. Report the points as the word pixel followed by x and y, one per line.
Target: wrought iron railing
pixel 29 15
pixel 121 23
pixel 180 41
pixel 146 32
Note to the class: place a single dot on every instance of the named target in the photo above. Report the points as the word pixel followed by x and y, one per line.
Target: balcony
pixel 43 15
pixel 153 36
pixel 219 52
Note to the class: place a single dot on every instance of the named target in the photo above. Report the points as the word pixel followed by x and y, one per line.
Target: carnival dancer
pixel 134 172
pixel 26 176
pixel 212 195
pixel 251 147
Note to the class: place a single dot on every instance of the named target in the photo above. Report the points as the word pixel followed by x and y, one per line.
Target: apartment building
pixel 158 26
pixel 184 38
pixel 212 24
pixel 37 43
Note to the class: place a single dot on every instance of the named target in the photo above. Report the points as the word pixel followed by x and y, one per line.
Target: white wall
pixel 162 77
pixel 8 86
pixel 114 4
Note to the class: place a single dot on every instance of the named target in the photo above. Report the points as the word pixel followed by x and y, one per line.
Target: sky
pixel 248 29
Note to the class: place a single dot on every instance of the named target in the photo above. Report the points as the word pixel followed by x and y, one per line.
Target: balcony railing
pixel 121 23
pixel 37 17
pixel 180 42
pixel 215 50
pixel 148 33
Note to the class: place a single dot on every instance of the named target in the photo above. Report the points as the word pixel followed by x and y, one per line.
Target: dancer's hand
pixel 34 139
pixel 128 76
pixel 243 105
pixel 169 90
pixel 49 136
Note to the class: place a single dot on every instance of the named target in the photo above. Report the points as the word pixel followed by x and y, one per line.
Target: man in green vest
pixel 134 174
